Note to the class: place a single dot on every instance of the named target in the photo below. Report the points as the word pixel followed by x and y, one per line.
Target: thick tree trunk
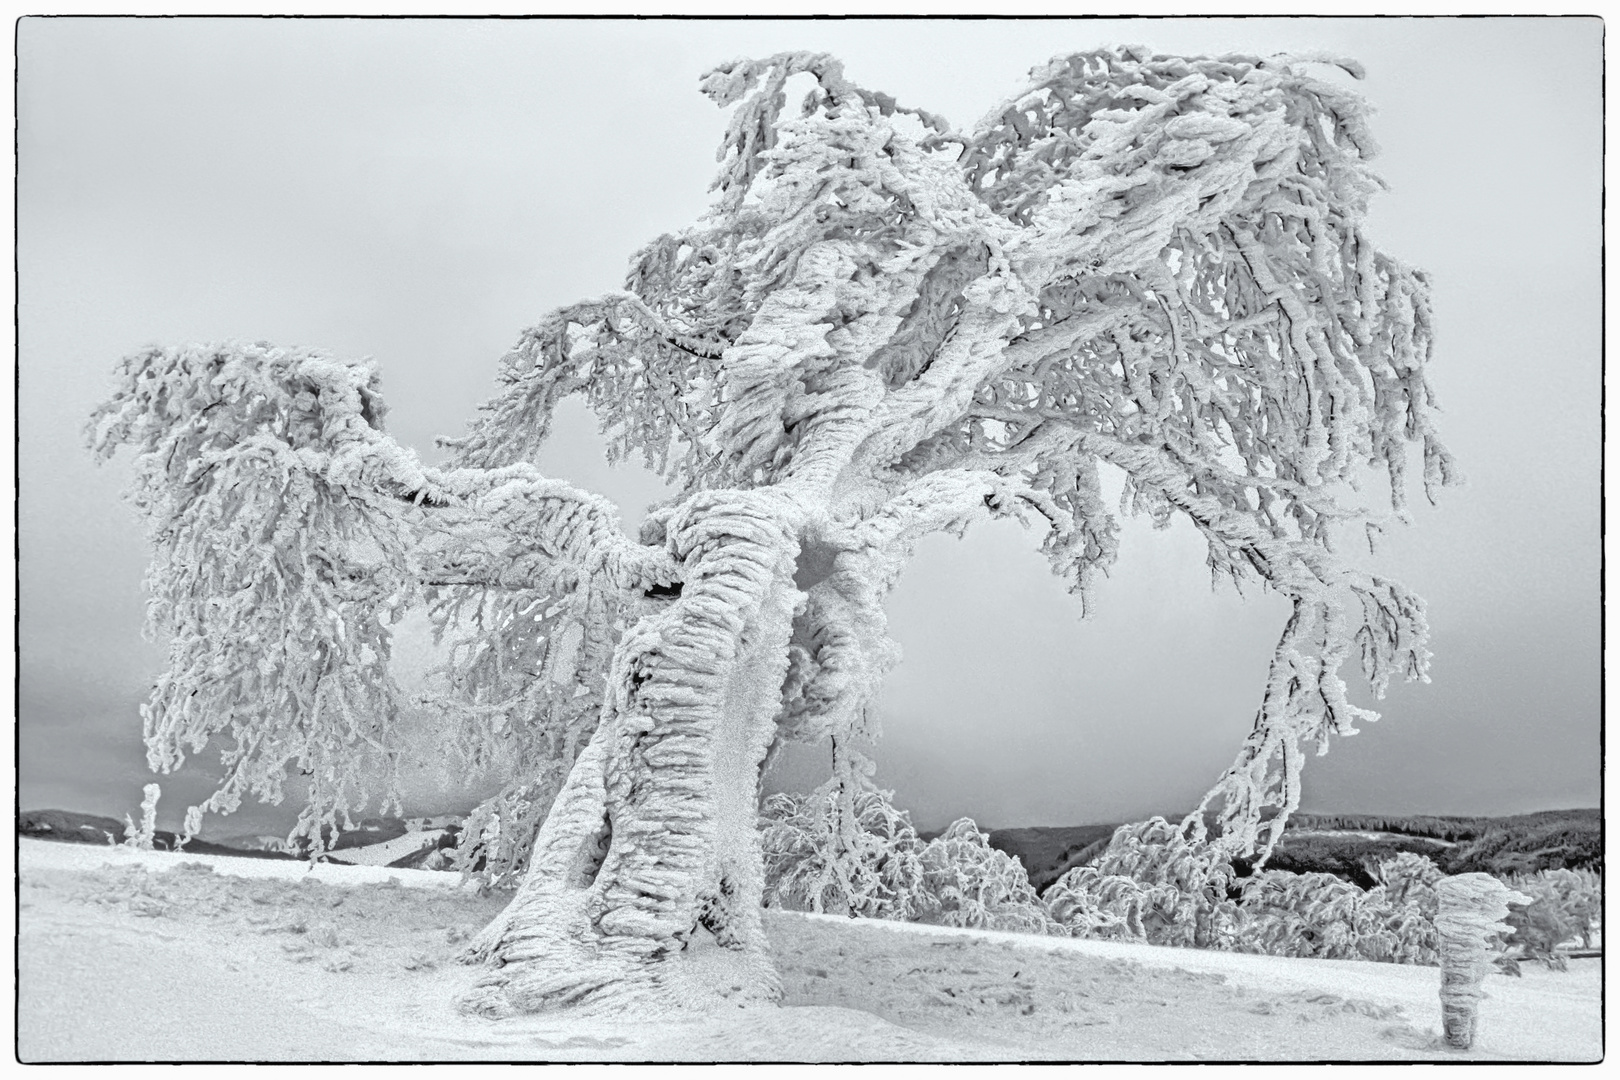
pixel 646 876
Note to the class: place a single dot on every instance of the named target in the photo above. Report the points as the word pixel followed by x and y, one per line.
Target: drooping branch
pixel 649 380
pixel 1305 697
pixel 289 533
pixel 273 503
pixel 755 127
pixel 1216 206
pixel 840 650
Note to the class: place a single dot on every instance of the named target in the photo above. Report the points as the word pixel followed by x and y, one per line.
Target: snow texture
pixel 153 956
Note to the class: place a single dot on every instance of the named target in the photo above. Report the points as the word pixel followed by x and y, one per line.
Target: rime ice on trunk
pixel 1472 910
pixel 651 849
pixel 884 328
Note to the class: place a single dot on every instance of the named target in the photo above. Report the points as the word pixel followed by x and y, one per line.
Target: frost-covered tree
pixel 884 328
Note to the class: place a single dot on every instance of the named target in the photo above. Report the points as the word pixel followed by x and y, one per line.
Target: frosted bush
pixel 1409 877
pixel 1152 883
pixel 1409 881
pixel 1564 904
pixel 1578 894
pixel 858 855
pixel 847 854
pixel 1316 915
pixel 1090 904
pixel 970 883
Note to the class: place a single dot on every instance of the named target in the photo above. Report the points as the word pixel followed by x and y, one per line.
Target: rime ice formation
pixel 1470 919
pixel 141 837
pixel 1154 884
pixel 849 852
pixel 883 328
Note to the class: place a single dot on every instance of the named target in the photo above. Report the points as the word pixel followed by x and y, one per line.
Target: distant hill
pixel 382 841
pixel 1347 845
pixel 1531 842
pixel 1518 844
pixel 69 827
pixel 75 828
pixel 1048 850
pixel 1351 855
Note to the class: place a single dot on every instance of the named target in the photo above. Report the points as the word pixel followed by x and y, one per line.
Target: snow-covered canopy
pixel 1148 263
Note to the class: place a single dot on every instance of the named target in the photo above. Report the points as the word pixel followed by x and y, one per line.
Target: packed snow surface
pixel 388 851
pixel 128 955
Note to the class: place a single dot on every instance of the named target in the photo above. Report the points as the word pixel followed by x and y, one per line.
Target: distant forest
pixel 1329 843
pixel 1313 843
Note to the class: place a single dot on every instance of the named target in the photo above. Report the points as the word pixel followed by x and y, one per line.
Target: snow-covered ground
pixel 388 851
pixel 127 955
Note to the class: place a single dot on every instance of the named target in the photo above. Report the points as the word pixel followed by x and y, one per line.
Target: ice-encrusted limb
pixel 290 530
pixel 281 521
pixel 1305 697
pixel 840 648
pixel 512 527
pixel 625 357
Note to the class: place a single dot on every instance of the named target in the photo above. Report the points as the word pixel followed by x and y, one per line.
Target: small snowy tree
pixel 966 882
pixel 884 328
pixel 861 859
pixel 1151 883
pixel 141 836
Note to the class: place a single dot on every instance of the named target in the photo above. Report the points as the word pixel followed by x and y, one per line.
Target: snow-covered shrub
pixel 1323 916
pixel 1155 883
pixel 828 852
pixel 970 883
pixel 1409 877
pixel 1090 904
pixel 1152 883
pixel 1312 915
pixel 858 855
pixel 1409 883
pixel 1578 895
pixel 1564 904
pixel 1538 929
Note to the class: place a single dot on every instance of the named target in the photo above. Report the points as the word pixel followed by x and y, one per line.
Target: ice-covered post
pixel 1472 907
pixel 142 838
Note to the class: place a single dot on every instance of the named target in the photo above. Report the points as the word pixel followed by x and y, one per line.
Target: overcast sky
pixel 419 192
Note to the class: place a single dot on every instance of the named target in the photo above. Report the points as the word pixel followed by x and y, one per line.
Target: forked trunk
pixel 645 879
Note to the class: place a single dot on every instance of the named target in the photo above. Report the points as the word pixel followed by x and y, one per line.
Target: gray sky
pixel 419 192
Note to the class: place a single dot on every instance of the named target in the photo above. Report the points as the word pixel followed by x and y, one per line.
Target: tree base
pixel 550 971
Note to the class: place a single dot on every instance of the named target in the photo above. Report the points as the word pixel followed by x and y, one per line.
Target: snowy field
pixel 127 955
